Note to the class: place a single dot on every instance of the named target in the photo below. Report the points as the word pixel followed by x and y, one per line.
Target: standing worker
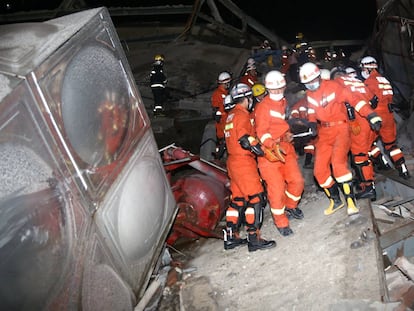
pixel 248 198
pixel 282 175
pixel 250 76
pixel 158 82
pixel 326 100
pixel 219 113
pixel 382 89
pixel 362 135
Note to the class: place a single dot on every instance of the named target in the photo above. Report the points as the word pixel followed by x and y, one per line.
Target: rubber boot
pixel 350 198
pixel 335 202
pixel 308 161
pixel 381 163
pixel 296 213
pixel 255 242
pixel 403 172
pixel 367 192
pixel 232 237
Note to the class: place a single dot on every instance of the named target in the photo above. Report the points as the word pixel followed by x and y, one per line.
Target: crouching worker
pixel 248 199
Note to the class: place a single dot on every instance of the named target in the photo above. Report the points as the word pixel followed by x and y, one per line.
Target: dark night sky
pixel 317 20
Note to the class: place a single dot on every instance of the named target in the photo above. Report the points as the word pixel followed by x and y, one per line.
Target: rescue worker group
pixel 342 123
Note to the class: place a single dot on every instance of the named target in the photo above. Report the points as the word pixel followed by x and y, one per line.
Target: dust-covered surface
pixel 315 269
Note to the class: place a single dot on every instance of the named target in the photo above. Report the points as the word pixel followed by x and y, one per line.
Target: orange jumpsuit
pixel 245 181
pixel 382 88
pixel 326 105
pixel 217 103
pixel 362 136
pixel 284 181
pixel 249 79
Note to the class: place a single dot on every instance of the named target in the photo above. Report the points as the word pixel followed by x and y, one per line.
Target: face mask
pixel 365 74
pixel 312 86
pixel 276 96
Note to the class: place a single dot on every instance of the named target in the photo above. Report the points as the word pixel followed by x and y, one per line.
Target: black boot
pixel 381 163
pixel 285 231
pixel 403 172
pixel 308 161
pixel 232 238
pixel 255 242
pixel 367 192
pixel 294 212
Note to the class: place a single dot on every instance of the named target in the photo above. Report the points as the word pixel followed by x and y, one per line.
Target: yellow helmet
pixel 258 89
pixel 159 57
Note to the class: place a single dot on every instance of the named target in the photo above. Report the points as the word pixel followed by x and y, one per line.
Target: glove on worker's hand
pixel 375 121
pixel 355 128
pixel 374 102
pixel 312 127
pixel 251 143
pixel 279 152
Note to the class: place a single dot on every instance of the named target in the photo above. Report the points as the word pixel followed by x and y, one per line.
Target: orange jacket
pixel 270 121
pixel 326 105
pixel 241 163
pixel 382 88
pixel 248 79
pixel 217 102
pixel 284 181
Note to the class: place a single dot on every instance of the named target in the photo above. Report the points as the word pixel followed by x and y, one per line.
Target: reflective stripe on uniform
pixel 328 182
pixel 277 114
pixel 278 211
pixel 344 178
pixel 291 196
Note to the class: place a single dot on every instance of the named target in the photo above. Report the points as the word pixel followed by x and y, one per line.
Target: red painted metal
pixel 201 192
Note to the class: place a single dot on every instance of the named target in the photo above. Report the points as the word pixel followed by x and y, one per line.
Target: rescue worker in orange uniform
pixel 362 136
pixel 248 198
pixel 382 88
pixel 250 76
pixel 217 104
pixel 283 179
pixel 326 106
pixel 299 113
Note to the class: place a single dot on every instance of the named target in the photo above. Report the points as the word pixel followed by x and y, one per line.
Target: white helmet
pixel 274 80
pixel 240 90
pixel 228 102
pixel 308 72
pixel 224 77
pixel 325 74
pixel 251 61
pixel 349 70
pixel 369 62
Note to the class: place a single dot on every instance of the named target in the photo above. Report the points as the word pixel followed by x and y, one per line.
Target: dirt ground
pixel 330 263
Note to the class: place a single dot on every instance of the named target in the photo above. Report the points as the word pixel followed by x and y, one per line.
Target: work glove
pixel 251 143
pixel 312 127
pixel 278 152
pixel 374 102
pixel 257 150
pixel 355 128
pixel 244 142
pixel 375 121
